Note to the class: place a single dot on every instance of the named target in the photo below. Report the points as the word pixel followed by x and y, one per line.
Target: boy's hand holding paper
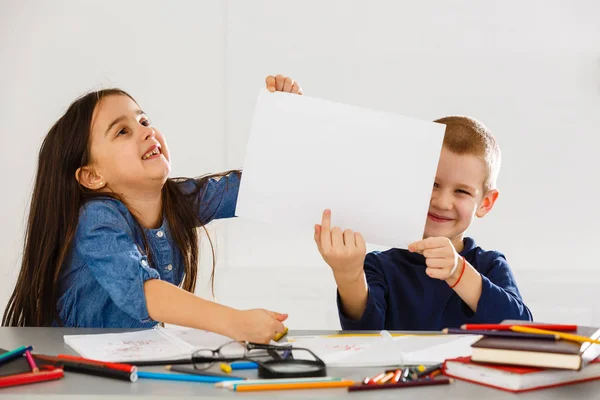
pixel 443 262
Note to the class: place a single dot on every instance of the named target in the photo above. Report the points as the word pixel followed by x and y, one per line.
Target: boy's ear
pixel 487 203
pixel 87 177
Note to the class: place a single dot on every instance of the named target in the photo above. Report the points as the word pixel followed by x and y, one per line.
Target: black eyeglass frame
pixel 267 369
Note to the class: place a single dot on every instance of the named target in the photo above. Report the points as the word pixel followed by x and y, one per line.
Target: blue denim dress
pixel 102 281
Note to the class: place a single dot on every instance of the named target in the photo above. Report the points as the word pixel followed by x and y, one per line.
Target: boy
pixel 444 280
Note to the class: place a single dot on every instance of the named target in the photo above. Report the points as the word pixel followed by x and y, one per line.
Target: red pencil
pixel 30 377
pixel 117 366
pixel 506 327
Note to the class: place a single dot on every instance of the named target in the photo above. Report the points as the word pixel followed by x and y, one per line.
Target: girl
pixel 110 238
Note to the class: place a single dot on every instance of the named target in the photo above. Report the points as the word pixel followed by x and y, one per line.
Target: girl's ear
pixel 487 203
pixel 87 177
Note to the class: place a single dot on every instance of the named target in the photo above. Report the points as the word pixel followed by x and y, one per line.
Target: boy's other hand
pixel 442 260
pixel 343 251
pixel 281 83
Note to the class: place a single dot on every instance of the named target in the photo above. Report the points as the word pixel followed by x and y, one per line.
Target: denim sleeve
pixel 373 317
pixel 500 298
pixel 216 198
pixel 105 241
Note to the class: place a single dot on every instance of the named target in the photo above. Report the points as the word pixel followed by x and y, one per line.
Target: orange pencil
pixel 289 386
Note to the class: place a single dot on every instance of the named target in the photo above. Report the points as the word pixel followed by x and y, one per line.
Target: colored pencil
pixel 182 377
pixel 32 364
pixel 562 335
pixel 423 382
pixel 229 384
pixel 31 377
pixel 506 327
pixel 506 334
pixel 117 366
pixel 18 352
pixel 290 386
pixel 194 371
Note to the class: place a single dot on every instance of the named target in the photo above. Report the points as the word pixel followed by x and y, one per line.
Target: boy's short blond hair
pixel 466 135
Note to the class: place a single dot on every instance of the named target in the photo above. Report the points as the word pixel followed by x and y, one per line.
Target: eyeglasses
pixel 281 361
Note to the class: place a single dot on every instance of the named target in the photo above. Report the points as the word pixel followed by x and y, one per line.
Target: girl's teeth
pixel 152 153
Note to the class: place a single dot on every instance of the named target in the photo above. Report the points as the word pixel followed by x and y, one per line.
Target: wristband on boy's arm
pixel 461 273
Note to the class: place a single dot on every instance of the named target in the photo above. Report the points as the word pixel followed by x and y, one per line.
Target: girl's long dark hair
pixel 54 211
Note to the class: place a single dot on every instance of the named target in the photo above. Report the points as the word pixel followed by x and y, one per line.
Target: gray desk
pixel 50 341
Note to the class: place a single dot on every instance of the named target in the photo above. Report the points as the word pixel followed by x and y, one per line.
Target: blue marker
pixel 18 352
pixel 185 377
pixel 244 365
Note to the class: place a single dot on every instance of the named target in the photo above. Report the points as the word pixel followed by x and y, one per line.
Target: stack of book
pixel 518 357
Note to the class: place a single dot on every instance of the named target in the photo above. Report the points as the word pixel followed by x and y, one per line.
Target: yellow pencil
pixel 562 335
pixel 288 386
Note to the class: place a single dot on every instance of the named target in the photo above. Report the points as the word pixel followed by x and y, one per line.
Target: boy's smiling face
pixel 458 195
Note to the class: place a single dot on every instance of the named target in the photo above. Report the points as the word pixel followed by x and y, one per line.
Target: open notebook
pixel 157 344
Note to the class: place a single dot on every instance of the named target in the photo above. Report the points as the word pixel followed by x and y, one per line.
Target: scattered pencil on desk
pixel 422 382
pixel 117 366
pixel 504 334
pixel 184 377
pixel 32 364
pixel 290 386
pixel 562 335
pixel 99 370
pixel 506 327
pixel 230 384
pixel 10 355
pixel 31 377
pixel 193 371
pixel 425 372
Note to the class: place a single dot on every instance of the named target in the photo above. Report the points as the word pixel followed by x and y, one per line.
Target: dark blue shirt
pixel 402 297
pixel 102 281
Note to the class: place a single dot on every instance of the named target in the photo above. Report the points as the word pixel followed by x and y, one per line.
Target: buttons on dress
pixel 169 267
pixel 160 234
pixel 144 263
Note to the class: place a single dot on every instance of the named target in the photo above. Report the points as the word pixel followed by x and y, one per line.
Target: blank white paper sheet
pixel 375 170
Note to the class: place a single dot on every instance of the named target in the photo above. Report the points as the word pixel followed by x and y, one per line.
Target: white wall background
pixel 528 70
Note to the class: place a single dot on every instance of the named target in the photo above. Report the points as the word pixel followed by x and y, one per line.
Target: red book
pixel 517 379
pixel 31 377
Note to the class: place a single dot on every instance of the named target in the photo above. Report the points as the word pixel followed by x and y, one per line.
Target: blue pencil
pixel 18 352
pixel 243 365
pixel 185 377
